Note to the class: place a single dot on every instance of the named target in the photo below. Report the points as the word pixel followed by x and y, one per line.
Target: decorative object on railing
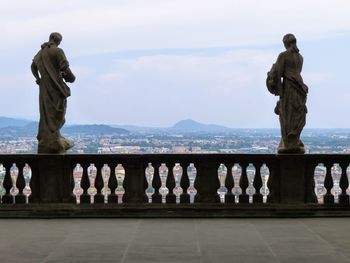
pixel 250 191
pixel 192 174
pixel 319 178
pixel 77 175
pixel 27 174
pixel 149 172
pixel 177 172
pixel 222 190
pixel 163 174
pixel 348 175
pixel 265 174
pixel 14 175
pixel 92 191
pixel 2 178
pixel 106 173
pixel 120 176
pixel 336 172
pixel 236 175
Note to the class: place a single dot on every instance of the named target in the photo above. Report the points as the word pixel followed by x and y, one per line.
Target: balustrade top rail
pixel 227 180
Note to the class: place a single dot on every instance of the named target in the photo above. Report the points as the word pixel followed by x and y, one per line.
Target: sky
pixel 155 62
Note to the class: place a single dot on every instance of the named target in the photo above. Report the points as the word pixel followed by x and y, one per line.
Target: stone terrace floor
pixel 175 240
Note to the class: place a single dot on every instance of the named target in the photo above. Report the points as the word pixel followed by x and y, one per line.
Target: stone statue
pixel 51 71
pixel 284 80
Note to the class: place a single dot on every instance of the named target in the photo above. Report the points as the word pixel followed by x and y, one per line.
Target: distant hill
pixel 194 126
pixel 184 126
pixel 97 129
pixel 28 130
pixel 31 129
pixel 141 129
pixel 7 122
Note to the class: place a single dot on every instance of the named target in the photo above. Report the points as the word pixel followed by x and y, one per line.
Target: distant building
pixel 180 149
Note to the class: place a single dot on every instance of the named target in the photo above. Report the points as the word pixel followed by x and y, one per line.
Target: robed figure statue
pixel 51 70
pixel 284 80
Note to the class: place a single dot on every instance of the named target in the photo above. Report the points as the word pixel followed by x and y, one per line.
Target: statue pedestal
pixel 292 171
pixel 51 174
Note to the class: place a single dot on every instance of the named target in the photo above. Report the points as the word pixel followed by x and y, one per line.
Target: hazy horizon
pixel 155 63
pixel 176 122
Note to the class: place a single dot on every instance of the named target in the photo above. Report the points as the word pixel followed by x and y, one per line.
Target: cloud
pixel 108 26
pixel 225 86
pixel 161 89
pixel 18 97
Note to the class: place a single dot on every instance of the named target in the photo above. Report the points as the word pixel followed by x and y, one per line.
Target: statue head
pixel 290 43
pixel 55 37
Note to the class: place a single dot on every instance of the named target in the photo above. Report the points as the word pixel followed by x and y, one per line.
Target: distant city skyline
pixel 153 63
pixel 186 136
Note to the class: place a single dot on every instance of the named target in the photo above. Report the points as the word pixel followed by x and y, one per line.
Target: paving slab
pixel 175 240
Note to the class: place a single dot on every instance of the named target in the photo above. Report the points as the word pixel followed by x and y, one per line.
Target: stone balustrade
pixel 144 185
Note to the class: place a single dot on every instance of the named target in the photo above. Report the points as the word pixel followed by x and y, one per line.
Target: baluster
pixel 250 191
pixel 2 178
pixel 7 198
pixel 92 191
pixel 156 183
pixel 257 197
pixel 328 197
pixel 177 172
pixel 100 197
pixel 27 174
pixel 163 174
pixel 236 175
pixel 343 197
pixel 244 198
pixel 348 176
pixel 273 183
pixel 14 191
pixel 229 198
pixel 112 183
pixel 310 181
pixel 20 184
pixel 222 190
pixel 170 184
pixel 265 174
pixel 149 172
pixel 77 176
pixel 336 172
pixel 192 174
pixel 106 174
pixel 85 183
pixel 185 183
pixel 319 178
pixel 120 175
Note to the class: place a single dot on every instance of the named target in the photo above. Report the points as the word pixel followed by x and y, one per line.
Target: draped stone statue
pixel 284 80
pixel 51 70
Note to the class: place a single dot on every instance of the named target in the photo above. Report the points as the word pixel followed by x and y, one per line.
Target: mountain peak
pixel 187 122
pixel 190 125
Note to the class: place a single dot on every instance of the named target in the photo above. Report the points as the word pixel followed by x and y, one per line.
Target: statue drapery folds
pixel 284 80
pixel 51 70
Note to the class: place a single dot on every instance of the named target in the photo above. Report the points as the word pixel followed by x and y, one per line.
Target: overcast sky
pixel 155 62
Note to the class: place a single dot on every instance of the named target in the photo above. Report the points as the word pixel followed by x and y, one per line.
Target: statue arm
pixel 35 72
pixel 305 88
pixel 67 74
